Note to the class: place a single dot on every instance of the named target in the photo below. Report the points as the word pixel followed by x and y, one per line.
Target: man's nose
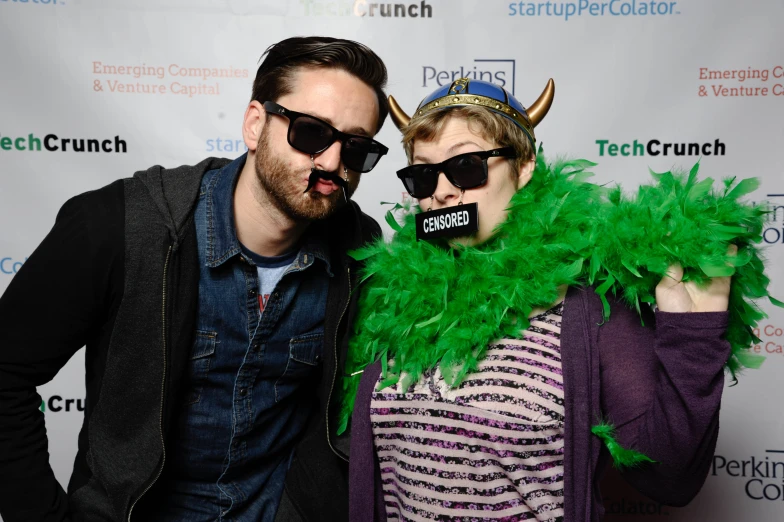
pixel 329 160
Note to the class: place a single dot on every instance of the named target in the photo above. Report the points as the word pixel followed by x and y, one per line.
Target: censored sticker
pixel 457 221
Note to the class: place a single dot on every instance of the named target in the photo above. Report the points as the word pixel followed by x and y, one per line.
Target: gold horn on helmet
pixel 538 109
pixel 398 115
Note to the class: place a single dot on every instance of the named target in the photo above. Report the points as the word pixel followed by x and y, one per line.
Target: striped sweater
pixel 490 449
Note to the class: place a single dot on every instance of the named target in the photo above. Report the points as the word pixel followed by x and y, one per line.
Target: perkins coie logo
pixel 762 476
pixel 494 70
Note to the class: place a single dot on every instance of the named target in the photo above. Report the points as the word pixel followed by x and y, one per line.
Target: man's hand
pixel 673 295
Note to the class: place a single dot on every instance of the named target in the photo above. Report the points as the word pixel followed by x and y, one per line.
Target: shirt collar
pixel 314 246
pixel 222 242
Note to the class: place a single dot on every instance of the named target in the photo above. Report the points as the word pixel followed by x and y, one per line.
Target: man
pixel 214 302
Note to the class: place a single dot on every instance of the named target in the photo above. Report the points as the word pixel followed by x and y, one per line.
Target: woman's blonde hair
pixel 493 127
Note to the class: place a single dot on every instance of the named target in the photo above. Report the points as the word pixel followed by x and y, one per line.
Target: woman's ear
pixel 526 171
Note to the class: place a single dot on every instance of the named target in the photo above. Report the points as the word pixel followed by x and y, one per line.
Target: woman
pixel 485 374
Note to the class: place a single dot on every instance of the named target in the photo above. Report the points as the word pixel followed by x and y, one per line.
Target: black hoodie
pixel 118 273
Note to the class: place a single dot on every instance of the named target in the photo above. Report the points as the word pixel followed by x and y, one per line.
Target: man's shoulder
pixel 155 176
pixel 172 191
pixel 158 177
pixel 354 226
pixel 101 205
pixel 370 229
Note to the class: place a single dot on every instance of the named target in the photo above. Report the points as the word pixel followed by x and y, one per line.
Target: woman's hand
pixel 674 295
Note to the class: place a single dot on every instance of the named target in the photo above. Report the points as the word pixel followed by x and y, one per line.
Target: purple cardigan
pixel 661 387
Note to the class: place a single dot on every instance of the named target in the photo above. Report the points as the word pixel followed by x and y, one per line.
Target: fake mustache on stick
pixel 316 175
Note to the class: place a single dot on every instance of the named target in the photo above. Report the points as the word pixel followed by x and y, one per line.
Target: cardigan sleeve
pixel 365 493
pixel 51 308
pixel 661 388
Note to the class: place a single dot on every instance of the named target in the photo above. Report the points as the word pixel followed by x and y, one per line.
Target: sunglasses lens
pixel 309 135
pixel 358 154
pixel 467 171
pixel 420 180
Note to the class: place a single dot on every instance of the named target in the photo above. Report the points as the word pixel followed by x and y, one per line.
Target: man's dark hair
pixel 273 79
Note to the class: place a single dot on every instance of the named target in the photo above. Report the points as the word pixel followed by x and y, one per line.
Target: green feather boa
pixel 622 457
pixel 424 304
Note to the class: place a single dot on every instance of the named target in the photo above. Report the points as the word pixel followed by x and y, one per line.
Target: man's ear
pixel 253 125
pixel 526 171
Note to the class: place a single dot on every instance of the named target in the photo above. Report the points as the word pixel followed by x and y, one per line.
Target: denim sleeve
pixel 48 312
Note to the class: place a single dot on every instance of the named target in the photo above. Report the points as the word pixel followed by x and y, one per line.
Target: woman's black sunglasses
pixel 465 171
pixel 311 135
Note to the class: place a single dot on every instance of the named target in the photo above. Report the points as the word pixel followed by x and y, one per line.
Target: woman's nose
pixel 446 193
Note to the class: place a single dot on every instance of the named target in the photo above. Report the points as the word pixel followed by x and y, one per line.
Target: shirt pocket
pixel 303 361
pixel 201 356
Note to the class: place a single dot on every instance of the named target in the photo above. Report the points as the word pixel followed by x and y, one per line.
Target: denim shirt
pixel 252 373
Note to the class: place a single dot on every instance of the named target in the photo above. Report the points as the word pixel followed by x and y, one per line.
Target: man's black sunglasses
pixel 311 135
pixel 464 171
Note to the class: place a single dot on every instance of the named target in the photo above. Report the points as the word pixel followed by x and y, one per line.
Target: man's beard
pixel 284 191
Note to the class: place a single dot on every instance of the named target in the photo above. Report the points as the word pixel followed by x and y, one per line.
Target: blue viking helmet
pixel 465 91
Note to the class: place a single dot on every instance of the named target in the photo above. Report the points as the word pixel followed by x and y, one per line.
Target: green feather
pixel 392 222
pixel 361 254
pixel 693 174
pixel 746 186
pixel 622 457
pixel 717 270
pixel 560 230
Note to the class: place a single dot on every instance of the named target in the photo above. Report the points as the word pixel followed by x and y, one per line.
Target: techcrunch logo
pixel 568 10
pixel 57 404
pixel 763 477
pixel 53 143
pixel 363 8
pixel 657 148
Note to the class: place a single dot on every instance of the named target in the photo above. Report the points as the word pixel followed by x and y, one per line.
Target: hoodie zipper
pixel 335 373
pixel 163 384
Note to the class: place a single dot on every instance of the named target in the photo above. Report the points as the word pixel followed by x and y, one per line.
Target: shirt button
pixel 252 293
pixel 243 391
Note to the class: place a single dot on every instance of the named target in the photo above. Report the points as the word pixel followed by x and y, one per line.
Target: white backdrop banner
pixel 93 90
